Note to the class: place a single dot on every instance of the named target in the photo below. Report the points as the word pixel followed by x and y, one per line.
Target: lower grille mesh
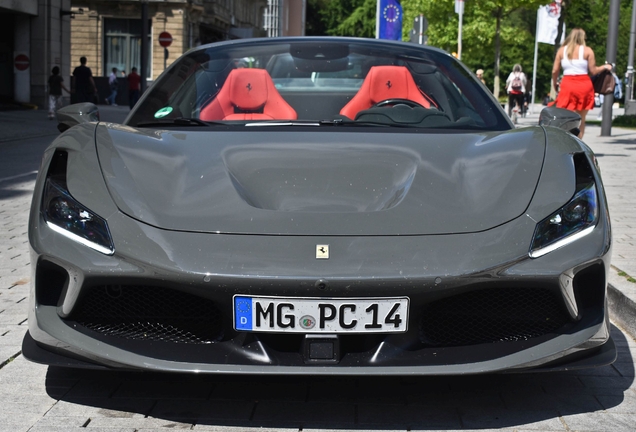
pixel 149 313
pixel 492 315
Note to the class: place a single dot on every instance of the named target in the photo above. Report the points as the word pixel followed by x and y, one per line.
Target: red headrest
pixel 248 94
pixel 248 88
pixel 388 82
pixel 382 83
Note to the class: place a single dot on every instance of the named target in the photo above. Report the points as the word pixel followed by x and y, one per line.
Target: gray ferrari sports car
pixel 319 206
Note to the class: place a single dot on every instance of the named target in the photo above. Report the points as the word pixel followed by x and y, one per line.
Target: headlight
pixel 64 215
pixel 574 220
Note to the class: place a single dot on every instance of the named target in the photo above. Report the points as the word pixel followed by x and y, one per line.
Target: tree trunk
pixel 495 89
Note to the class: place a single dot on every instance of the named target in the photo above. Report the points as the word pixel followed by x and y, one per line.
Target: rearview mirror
pixel 75 114
pixel 560 118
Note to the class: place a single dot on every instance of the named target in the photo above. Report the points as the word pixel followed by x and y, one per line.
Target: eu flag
pixel 390 18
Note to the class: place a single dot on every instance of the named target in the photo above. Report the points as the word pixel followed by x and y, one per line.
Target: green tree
pixel 490 27
pixel 314 25
pixel 496 33
pixel 341 18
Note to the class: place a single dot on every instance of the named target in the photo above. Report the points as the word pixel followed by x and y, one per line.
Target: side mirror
pixel 560 118
pixel 75 114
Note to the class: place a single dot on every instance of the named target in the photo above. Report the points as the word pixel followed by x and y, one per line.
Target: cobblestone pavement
pixel 40 398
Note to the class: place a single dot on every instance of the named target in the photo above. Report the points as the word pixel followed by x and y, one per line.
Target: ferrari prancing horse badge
pixel 322 251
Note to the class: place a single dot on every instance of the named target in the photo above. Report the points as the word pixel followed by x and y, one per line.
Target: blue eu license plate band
pixel 243 313
pixel 321 315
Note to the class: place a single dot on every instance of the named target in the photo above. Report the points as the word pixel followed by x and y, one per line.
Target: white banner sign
pixel 548 23
pixel 459 7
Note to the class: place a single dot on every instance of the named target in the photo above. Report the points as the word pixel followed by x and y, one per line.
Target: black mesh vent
pixel 492 315
pixel 149 313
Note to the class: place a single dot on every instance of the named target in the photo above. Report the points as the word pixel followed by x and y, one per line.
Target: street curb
pixel 621 295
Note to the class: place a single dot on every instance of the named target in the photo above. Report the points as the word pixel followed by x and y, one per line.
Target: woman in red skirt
pixel 576 92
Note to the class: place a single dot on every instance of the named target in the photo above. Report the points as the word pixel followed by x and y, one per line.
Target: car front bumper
pixel 439 274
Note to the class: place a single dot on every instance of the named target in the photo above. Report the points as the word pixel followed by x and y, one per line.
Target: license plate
pixel 321 315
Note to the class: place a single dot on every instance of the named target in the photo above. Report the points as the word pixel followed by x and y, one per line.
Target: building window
pixel 122 45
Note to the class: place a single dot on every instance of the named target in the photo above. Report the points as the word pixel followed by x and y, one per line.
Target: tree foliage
pixel 516 36
pixel 493 31
pixel 343 17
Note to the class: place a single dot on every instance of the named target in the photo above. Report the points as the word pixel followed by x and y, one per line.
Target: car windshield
pixel 319 81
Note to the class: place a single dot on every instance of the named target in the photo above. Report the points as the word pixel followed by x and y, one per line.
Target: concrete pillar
pixel 22 44
pixel 65 49
pixel 41 42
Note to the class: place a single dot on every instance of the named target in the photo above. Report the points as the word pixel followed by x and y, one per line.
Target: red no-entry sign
pixel 165 39
pixel 21 62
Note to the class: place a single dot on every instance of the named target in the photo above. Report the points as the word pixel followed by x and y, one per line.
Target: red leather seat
pixel 248 94
pixel 382 83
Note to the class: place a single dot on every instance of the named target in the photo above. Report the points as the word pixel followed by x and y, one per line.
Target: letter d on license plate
pixel 321 315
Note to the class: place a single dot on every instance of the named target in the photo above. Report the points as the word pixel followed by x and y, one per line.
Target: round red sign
pixel 165 39
pixel 21 62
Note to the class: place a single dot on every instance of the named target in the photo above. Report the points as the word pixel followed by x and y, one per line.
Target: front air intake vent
pixel 492 315
pixel 148 313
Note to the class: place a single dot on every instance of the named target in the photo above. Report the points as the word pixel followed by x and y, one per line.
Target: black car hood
pixel 299 182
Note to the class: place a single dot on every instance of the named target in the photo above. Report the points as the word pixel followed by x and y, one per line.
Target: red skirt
pixel 576 93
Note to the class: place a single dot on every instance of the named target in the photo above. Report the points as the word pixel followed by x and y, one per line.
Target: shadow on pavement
pixel 10 188
pixel 349 403
pixel 622 141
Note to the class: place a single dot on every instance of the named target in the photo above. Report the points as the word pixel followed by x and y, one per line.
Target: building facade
pixel 285 18
pixel 34 37
pixel 108 32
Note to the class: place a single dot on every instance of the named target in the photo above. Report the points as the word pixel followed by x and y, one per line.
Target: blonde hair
pixel 574 39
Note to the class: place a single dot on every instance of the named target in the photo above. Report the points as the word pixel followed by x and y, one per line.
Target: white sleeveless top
pixel 575 66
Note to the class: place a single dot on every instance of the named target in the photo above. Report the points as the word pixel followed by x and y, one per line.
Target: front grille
pixel 148 313
pixel 492 315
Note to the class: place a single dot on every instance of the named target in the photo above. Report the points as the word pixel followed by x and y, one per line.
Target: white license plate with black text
pixel 321 315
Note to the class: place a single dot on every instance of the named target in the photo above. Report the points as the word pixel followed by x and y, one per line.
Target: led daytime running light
pixel 79 239
pixel 570 223
pixel 64 215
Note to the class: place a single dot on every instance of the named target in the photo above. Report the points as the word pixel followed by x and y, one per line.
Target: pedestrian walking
pixel 113 86
pixel 480 75
pixel 56 85
pixel 134 85
pixel 576 92
pixel 516 89
pixel 83 84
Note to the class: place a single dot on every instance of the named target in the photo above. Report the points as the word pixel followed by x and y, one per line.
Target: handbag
pixel 604 83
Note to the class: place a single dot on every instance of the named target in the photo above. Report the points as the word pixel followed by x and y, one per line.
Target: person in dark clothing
pixel 56 84
pixel 113 86
pixel 134 84
pixel 83 84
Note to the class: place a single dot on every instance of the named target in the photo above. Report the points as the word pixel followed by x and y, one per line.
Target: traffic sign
pixel 21 62
pixel 418 32
pixel 165 39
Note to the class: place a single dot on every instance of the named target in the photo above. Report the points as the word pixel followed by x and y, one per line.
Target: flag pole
pixel 459 31
pixel 377 19
pixel 534 68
